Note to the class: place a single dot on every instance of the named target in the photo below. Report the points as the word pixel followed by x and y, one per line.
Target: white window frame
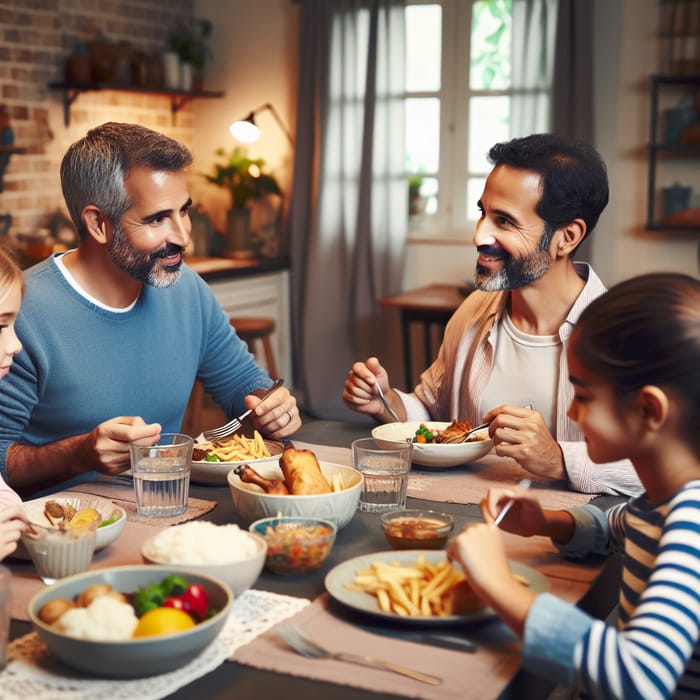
pixel 448 223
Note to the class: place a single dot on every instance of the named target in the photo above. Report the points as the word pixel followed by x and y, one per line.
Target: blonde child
pixel 634 361
pixel 12 517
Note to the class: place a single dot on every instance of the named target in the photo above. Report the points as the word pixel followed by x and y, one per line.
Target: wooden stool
pixel 252 329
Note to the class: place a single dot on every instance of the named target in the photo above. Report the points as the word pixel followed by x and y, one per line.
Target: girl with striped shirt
pixel 634 363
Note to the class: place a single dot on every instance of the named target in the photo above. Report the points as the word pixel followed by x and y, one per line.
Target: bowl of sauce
pixel 417 529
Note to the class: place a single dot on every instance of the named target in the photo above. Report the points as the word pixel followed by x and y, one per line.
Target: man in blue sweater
pixel 116 331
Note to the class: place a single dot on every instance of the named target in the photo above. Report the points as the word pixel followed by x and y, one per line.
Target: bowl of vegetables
pixel 295 545
pixel 130 621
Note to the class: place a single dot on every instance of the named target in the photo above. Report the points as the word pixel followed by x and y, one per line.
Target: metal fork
pixel 387 405
pixel 233 425
pixel 298 641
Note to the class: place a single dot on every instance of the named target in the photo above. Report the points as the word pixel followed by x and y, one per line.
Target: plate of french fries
pixel 212 461
pixel 415 586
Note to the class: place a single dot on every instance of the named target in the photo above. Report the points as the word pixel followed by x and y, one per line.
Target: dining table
pixel 258 665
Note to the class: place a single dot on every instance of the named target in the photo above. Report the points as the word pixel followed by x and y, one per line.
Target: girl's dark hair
pixel 646 330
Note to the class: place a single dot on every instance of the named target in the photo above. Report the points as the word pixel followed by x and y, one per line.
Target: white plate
pixel 433 454
pixel 216 473
pixel 105 535
pixel 344 573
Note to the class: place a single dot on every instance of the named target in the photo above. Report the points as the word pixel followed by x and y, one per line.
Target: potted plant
pixel 189 43
pixel 246 180
pixel 416 202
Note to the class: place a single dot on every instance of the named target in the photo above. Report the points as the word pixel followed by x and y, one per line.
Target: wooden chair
pixel 251 330
pixel 254 329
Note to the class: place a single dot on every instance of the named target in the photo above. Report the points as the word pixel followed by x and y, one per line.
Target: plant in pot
pixel 246 181
pixel 188 41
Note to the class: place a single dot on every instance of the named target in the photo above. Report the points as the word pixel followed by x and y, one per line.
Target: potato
pixel 86 597
pixel 51 611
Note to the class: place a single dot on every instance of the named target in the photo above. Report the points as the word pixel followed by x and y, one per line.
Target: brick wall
pixel 35 39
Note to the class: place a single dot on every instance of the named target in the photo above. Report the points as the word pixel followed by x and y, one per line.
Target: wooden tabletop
pixel 437 297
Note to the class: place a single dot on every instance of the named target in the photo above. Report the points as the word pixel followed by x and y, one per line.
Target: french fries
pixel 420 590
pixel 238 448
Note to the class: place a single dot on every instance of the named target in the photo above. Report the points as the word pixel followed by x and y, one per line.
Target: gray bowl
pixel 133 658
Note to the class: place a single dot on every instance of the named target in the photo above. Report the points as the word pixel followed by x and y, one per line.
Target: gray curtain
pixel 572 90
pixel 348 214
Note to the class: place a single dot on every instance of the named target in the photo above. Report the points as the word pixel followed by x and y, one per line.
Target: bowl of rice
pixel 226 552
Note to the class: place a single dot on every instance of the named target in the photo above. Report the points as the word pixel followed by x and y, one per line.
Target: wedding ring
pixel 291 418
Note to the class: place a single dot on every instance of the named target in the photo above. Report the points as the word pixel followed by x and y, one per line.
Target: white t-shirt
pixel 525 371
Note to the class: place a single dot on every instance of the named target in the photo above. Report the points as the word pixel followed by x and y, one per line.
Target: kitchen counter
pixel 212 268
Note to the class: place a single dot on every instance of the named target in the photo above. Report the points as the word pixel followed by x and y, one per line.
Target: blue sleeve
pixel 553 630
pixel 592 533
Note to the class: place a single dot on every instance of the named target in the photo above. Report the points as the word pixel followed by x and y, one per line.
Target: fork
pixel 524 484
pixel 233 425
pixel 298 641
pixel 387 405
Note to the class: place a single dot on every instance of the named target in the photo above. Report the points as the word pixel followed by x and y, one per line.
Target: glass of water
pixel 385 474
pixel 161 472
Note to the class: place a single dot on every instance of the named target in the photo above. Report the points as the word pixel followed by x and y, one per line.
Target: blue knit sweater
pixel 82 364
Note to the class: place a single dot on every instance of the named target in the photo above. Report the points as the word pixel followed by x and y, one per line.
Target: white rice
pixel 201 542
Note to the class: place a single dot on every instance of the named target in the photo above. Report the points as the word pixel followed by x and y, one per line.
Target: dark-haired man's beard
pixel 143 265
pixel 516 272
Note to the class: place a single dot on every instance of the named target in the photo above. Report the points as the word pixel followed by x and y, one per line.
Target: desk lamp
pixel 247 131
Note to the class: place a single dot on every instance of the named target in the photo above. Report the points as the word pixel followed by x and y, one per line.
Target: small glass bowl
pixel 417 529
pixel 295 545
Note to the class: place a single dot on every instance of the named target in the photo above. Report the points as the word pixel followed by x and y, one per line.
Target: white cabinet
pixel 265 294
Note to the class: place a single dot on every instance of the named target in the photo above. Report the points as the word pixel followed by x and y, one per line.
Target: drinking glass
pixel 385 473
pixel 5 577
pixel 161 472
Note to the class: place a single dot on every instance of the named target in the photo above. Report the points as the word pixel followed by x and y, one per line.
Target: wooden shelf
pixel 178 98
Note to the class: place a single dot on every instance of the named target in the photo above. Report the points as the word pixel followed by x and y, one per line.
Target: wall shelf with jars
pixel 674 153
pixel 178 98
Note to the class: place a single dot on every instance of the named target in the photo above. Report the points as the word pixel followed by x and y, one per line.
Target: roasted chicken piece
pixel 302 472
pixel 250 476
pixel 455 432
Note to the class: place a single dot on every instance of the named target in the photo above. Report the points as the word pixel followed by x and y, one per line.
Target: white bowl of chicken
pixel 299 485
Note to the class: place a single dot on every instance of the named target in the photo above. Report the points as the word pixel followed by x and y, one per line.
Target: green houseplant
pixel 246 180
pixel 188 41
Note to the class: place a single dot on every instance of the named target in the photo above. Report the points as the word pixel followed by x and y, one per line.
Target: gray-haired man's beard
pixel 516 272
pixel 142 265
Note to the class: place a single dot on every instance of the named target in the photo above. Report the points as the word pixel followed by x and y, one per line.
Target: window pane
pixel 490 45
pixel 423 47
pixel 475 188
pixel 422 134
pixel 489 119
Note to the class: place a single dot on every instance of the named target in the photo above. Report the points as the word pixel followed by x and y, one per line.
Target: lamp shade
pixel 245 130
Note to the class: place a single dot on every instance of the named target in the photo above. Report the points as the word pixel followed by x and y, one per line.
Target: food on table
pixel 420 590
pixel 416 531
pixel 235 448
pixel 302 476
pixel 453 433
pixel 105 619
pixel 66 517
pixel 250 476
pixel 201 542
pixel 162 621
pixel 99 613
pixel 296 547
pixel 302 472
pixel 50 612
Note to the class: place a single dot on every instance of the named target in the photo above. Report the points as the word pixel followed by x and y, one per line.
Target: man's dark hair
pixel 574 176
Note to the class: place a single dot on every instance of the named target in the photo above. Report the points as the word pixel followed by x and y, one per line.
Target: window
pixel 460 98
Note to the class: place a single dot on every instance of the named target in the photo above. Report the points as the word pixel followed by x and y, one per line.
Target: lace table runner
pixel 32 671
